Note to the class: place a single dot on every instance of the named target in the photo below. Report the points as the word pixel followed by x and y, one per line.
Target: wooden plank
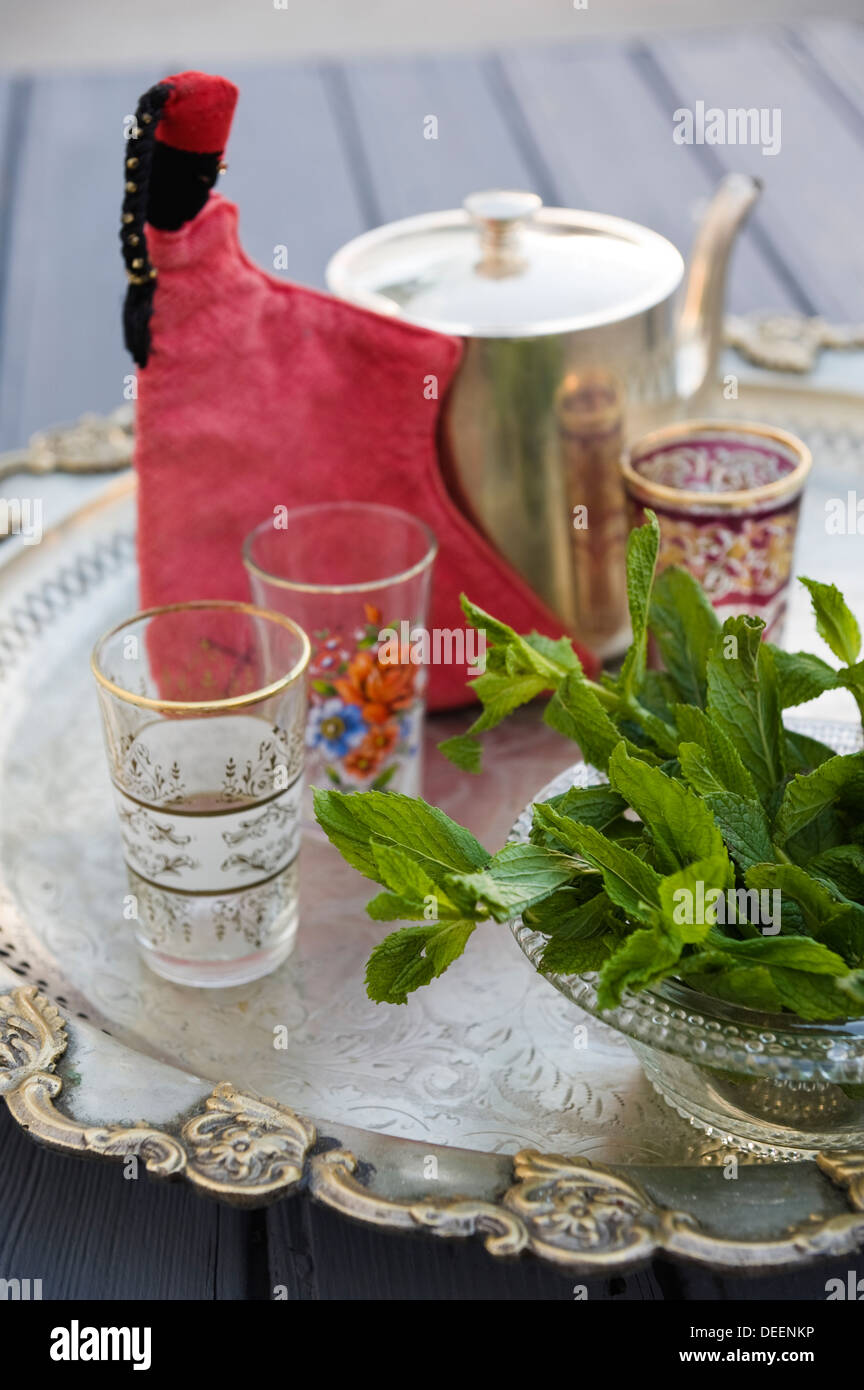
pixel 389 102
pixel 289 170
pixel 681 1281
pixel 604 128
pixel 88 1233
pixel 353 1262
pixel 812 209
pixel 837 47
pixel 292 1273
pixel 14 104
pixel 62 348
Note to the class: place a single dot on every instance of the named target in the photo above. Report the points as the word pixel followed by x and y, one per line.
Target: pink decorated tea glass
pixel 727 496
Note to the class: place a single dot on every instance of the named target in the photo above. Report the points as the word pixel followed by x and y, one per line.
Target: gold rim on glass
pixel 781 489
pixel 359 587
pixel 253 697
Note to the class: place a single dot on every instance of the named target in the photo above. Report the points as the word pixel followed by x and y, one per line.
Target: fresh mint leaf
pixel 464 750
pixel 412 957
pixel 743 699
pixel 814 997
pixel 645 956
pixel 558 651
pixel 720 768
pixel 835 621
pixel 824 832
pixel 579 956
pixel 400 872
pixel 412 889
pixel 518 669
pixel 808 796
pixel 853 986
pixel 394 907
pixel 659 694
pixel 827 918
pixel 576 712
pixel 356 823
pixel 631 883
pixel 501 693
pixel 645 728
pixel 685 628
pixel 793 882
pixel 499 633
pixel 844 933
pixel 414 896
pixel 801 676
pixel 681 894
pixel 804 753
pixel 744 827
pixel 517 877
pixel 643 545
pixel 681 826
pixel 749 985
pixel 551 829
pixel 582 933
pixel 844 867
pixel 790 952
pixel 812 994
pixel 597 806
pixel 697 770
pixel 853 679
pixel 560 914
pixel 534 655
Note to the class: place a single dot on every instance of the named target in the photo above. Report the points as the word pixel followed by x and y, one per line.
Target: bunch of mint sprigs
pixel 725 797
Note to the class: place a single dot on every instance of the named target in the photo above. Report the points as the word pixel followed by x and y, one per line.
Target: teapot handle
pixel 700 327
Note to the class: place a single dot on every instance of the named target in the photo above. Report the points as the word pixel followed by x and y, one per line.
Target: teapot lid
pixel 504 266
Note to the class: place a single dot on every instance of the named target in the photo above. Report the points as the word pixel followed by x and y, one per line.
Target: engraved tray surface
pixel 479 1066
pixel 484 1059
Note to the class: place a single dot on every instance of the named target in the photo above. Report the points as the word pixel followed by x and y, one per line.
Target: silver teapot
pixel 575 344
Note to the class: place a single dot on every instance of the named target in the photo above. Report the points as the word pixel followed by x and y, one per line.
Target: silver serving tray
pixel 468 1111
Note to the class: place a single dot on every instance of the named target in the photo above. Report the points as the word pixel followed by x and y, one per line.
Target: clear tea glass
pixel 357 577
pixel 203 712
pixel 727 497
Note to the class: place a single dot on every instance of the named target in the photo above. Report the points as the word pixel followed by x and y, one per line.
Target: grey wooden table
pixel 318 154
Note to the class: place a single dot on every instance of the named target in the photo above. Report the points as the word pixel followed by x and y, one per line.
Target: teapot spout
pixel 700 330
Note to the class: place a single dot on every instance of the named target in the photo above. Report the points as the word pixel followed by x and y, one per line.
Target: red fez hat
pixel 198 112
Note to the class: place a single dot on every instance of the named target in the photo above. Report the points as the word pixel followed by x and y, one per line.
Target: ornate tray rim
pixel 583 1217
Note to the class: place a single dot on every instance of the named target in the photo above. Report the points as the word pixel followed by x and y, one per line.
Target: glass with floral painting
pixel 356 576
pixel 727 496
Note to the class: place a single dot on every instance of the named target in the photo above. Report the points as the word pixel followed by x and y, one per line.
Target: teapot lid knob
pixel 498 212
pixel 502 205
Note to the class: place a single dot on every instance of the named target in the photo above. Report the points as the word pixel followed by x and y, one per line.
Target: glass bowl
pixel 766 1083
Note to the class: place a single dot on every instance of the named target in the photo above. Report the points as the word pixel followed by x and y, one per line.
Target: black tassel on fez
pixel 165 187
pixel 138 305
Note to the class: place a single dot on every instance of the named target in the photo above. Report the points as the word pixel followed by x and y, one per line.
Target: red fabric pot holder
pixel 255 393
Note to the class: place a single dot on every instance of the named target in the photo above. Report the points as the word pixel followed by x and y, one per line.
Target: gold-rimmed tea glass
pixel 727 496
pixel 203 713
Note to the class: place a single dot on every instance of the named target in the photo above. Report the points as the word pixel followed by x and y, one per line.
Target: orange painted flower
pixel 362 761
pixel 381 740
pixel 368 756
pixel 378 689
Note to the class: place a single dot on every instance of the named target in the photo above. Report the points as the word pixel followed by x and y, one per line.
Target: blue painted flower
pixel 335 727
